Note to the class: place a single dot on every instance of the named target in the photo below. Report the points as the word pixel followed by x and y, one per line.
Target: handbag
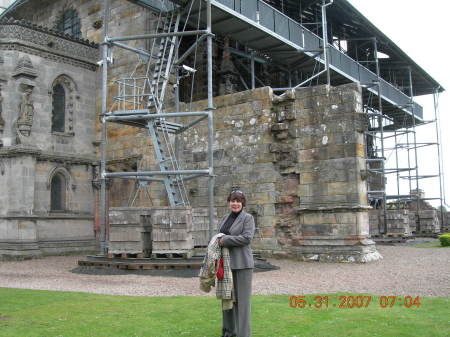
pixel 220 271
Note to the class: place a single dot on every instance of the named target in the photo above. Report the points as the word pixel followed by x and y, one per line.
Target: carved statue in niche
pixel 228 71
pixel 26 113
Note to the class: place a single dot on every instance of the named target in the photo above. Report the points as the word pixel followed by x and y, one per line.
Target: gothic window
pixel 69 23
pixel 59 108
pixel 63 95
pixel 58 192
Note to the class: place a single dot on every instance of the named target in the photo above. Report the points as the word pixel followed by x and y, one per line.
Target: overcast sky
pixel 419 28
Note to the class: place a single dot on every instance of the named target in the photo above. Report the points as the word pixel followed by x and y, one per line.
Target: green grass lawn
pixel 431 244
pixel 32 313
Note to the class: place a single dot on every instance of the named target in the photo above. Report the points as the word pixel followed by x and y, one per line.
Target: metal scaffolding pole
pixel 103 216
pixel 154 36
pixel 396 165
pixel 326 55
pixel 324 50
pixel 416 163
pixel 252 69
pixel 210 121
pixel 436 121
pixel 381 129
pixel 409 163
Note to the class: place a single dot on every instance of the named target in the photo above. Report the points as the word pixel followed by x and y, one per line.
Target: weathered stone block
pixel 267 232
pixel 318 218
pixel 118 236
pixel 341 188
pixel 160 236
pixel 160 245
pixel 281 147
pixel 347 218
pixel 182 245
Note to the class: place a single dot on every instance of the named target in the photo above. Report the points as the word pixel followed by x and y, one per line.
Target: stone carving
pixel 25 68
pixel 228 72
pixel 36 35
pixel 49 56
pixel 26 113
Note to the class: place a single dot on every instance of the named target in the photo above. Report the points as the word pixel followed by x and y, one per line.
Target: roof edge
pixel 28 24
pixel 397 49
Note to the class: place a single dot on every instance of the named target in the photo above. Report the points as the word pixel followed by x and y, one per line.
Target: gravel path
pixel 403 271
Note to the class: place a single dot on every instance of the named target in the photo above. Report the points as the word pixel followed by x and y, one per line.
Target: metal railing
pixel 279 23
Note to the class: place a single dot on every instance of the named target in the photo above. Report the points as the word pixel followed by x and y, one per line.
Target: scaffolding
pixel 401 119
pixel 382 128
pixel 139 102
pixel 263 33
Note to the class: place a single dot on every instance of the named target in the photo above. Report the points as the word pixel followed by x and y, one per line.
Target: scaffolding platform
pixel 194 262
pixel 125 256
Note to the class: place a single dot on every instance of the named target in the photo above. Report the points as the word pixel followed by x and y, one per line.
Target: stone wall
pixel 299 159
pixel 34 235
pixel 129 148
pixel 34 59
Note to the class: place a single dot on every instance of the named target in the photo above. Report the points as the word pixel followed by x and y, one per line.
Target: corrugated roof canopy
pixel 346 23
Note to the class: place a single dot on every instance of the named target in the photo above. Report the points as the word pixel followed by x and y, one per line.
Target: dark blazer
pixel 238 242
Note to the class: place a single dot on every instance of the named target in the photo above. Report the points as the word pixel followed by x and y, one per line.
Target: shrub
pixel 445 239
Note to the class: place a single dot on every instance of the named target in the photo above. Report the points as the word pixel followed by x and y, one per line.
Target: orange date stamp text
pixel 360 301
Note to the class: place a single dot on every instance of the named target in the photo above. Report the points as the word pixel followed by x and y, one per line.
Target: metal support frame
pixel 155 36
pixel 210 120
pixel 252 68
pixel 439 151
pixel 191 49
pixel 417 196
pixel 326 52
pixel 380 121
pixel 410 146
pixel 139 114
pixel 381 126
pixel 103 216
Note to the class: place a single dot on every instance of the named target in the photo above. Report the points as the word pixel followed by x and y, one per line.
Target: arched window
pixel 69 23
pixel 59 108
pixel 58 193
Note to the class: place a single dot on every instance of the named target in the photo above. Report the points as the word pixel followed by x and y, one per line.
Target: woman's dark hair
pixel 237 195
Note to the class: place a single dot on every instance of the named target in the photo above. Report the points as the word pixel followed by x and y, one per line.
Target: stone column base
pixel 19 250
pixel 323 250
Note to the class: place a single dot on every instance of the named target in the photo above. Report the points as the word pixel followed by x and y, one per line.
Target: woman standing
pixel 239 228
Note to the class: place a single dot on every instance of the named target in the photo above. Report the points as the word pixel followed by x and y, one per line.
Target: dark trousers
pixel 237 321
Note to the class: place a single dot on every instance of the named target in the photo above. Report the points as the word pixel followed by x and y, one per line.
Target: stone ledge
pixel 336 208
pixel 12 250
pixel 330 254
pixel 63 216
pixel 20 150
pixel 45 30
